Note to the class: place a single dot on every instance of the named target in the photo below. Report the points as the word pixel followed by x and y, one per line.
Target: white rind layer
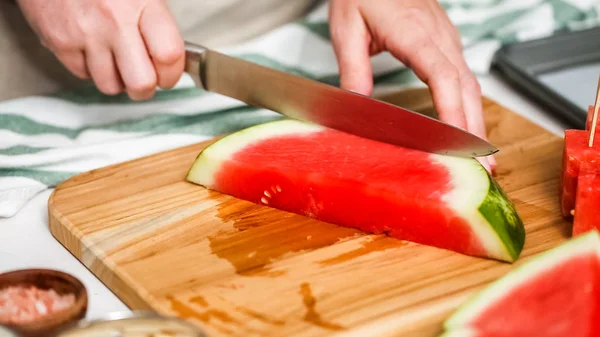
pixel 207 164
pixel 578 246
pixel 471 185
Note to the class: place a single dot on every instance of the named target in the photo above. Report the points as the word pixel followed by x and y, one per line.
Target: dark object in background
pixel 559 72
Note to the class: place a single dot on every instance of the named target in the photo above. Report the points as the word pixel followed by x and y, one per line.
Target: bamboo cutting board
pixel 240 269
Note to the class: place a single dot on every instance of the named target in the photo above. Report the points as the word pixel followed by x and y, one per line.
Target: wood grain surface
pixel 240 269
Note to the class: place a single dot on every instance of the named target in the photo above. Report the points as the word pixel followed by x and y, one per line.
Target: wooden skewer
pixel 595 116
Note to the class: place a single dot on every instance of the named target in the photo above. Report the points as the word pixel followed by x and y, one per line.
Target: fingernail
pixel 485 163
pixel 492 161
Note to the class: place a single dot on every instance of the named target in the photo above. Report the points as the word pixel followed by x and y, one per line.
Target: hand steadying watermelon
pixel 442 201
pixel 555 294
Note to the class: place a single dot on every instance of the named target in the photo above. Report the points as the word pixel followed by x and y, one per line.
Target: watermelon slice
pixel 446 202
pixel 576 143
pixel 555 294
pixel 587 209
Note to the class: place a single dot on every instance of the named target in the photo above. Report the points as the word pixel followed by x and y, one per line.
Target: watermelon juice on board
pixel 446 202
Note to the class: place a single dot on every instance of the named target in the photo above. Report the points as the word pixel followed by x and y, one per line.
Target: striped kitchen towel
pixel 45 140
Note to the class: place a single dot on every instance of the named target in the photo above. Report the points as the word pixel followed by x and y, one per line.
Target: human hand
pixel 419 34
pixel 132 46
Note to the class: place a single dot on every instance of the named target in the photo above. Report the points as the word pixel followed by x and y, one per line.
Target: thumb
pixel 350 39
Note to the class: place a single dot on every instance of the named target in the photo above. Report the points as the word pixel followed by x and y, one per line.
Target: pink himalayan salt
pixel 23 304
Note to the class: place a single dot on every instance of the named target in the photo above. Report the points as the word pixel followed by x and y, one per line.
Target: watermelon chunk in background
pixel 446 202
pixel 576 154
pixel 555 294
pixel 590 118
pixel 587 209
pixel 576 143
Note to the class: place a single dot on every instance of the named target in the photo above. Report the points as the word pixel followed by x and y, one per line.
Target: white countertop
pixel 25 241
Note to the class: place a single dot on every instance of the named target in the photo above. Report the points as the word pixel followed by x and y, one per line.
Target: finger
pixel 133 61
pixel 492 161
pixel 471 94
pixel 103 70
pixel 472 104
pixel 74 61
pixel 351 42
pixel 164 43
pixel 485 163
pixel 444 24
pixel 474 114
pixel 417 51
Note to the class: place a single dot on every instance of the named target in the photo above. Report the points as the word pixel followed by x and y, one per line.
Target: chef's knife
pixel 308 100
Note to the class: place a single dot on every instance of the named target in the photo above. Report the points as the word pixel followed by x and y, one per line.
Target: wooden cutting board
pixel 240 269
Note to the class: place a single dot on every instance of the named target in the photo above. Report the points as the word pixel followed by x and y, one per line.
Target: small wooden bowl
pixel 50 324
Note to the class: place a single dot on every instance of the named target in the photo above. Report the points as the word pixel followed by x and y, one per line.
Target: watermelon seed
pixel 267 194
pixel 264 200
pixel 278 188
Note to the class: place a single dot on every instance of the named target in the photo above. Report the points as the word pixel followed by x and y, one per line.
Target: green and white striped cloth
pixel 45 140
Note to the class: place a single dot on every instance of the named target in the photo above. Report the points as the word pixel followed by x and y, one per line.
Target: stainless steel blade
pixel 304 99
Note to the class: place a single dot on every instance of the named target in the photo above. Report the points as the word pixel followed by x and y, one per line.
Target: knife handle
pixel 195 57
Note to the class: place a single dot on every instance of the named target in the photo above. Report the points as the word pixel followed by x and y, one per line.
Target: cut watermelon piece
pixel 590 118
pixel 555 294
pixel 576 143
pixel 441 201
pixel 587 209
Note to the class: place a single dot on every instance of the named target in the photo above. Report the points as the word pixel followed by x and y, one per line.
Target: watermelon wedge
pixel 446 202
pixel 587 209
pixel 555 294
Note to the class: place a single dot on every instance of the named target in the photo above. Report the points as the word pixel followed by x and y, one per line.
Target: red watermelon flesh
pixel 576 143
pixel 587 209
pixel 555 294
pixel 590 118
pixel 577 299
pixel 441 201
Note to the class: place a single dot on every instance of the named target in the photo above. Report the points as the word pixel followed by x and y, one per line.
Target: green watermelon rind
pixel 583 244
pixel 478 199
pixel 502 215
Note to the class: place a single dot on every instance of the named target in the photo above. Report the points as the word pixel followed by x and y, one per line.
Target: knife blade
pixel 312 101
